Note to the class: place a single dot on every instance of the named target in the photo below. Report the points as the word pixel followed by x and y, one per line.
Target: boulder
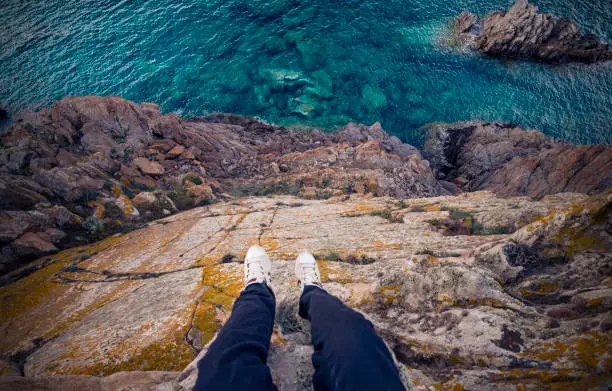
pixel 148 167
pixel 176 152
pixel 188 154
pixel 511 161
pixel 155 205
pixel 464 22
pixel 20 192
pixel 201 193
pixel 69 183
pixel 52 235
pixel 14 223
pixel 144 199
pixel 167 127
pixel 32 245
pixel 62 217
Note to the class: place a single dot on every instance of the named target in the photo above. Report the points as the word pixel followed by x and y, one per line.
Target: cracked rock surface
pixel 468 291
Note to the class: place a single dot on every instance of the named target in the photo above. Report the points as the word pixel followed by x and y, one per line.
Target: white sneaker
pixel 306 271
pixel 257 267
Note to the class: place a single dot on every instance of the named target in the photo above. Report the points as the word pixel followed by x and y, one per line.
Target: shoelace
pixel 309 271
pixel 261 268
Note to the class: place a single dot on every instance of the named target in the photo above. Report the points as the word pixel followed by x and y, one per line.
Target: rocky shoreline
pixel 90 167
pixel 522 32
pixel 482 260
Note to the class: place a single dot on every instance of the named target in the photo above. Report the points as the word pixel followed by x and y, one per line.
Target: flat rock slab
pixel 151 299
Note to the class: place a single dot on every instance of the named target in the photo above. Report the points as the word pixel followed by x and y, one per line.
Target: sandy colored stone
pixel 176 152
pixel 148 167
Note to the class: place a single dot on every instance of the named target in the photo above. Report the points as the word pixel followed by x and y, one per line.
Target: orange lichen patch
pixel 221 288
pixel 542 289
pixel 431 207
pixel 596 302
pixel 98 209
pixel 116 190
pixel 478 195
pixel 208 259
pixel 269 242
pixel 448 386
pixel 561 380
pixel 285 254
pixel 126 205
pixel 361 208
pixel 278 338
pixel 33 305
pixel 381 245
pixel 425 260
pixel 587 351
pixel 334 272
pixel 389 293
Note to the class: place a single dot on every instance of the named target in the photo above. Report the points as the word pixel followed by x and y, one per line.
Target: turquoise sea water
pixel 318 63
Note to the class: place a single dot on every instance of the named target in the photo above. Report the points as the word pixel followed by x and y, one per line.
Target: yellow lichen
pixel 116 190
pixel 389 293
pixel 585 350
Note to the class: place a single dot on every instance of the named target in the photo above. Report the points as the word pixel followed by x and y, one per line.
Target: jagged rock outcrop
pixel 95 155
pixel 529 309
pixel 511 161
pixel 522 32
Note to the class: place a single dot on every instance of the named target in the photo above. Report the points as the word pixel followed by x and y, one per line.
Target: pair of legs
pixel 348 355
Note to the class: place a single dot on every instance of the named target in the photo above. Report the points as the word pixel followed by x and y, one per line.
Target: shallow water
pixel 318 63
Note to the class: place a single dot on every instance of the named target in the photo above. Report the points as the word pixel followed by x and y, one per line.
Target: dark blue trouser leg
pixel 236 360
pixel 348 353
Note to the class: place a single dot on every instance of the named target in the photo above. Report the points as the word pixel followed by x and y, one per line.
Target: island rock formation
pixel 522 32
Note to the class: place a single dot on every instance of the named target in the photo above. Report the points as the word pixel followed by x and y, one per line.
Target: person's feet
pixel 306 271
pixel 257 267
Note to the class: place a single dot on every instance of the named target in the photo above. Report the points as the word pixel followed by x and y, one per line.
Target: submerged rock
pixel 284 79
pixel 312 52
pixel 373 97
pixel 522 32
pixel 323 85
pixel 304 106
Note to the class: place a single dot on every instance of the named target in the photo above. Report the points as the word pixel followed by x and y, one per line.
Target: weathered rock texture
pixel 514 311
pixel 522 32
pixel 89 167
pixel 468 290
pixel 93 166
pixel 510 161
